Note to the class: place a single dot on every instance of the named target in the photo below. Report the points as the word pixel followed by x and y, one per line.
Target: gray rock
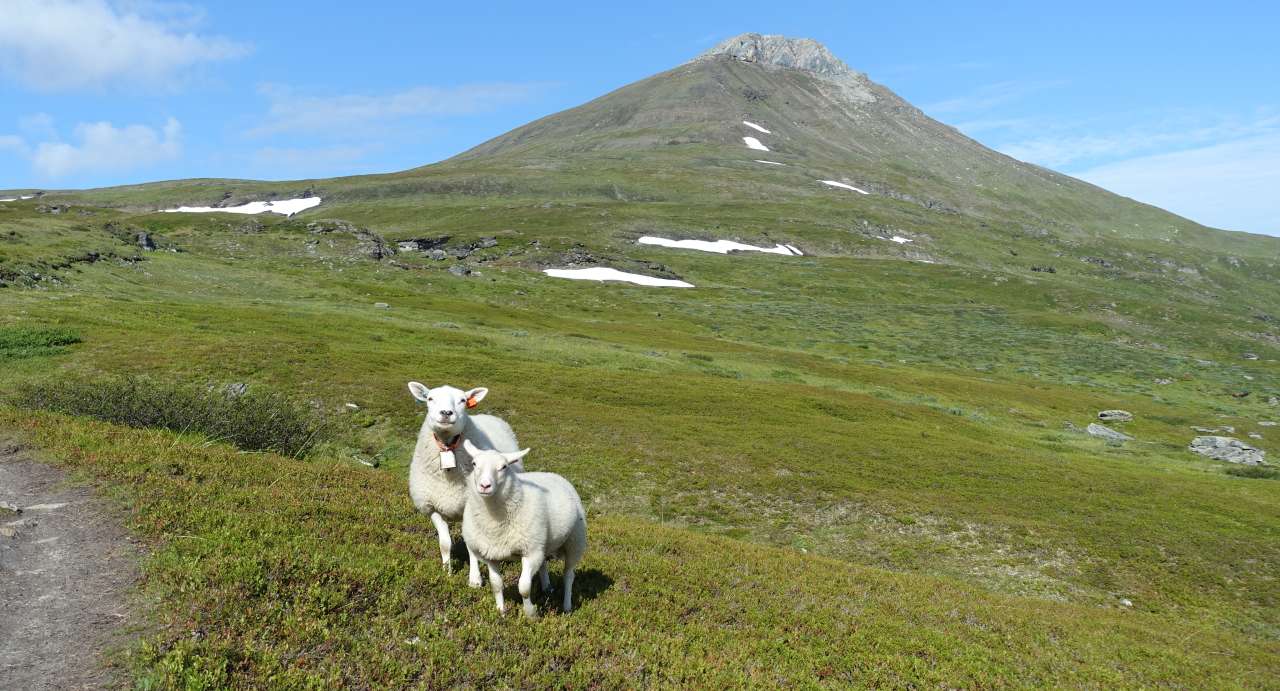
pixel 1255 435
pixel 352 407
pixel 460 252
pixel 1227 449
pixel 779 51
pixel 486 243
pixel 1164 382
pixel 459 270
pixel 1266 423
pixel 439 255
pixel 381 305
pixel 236 389
pixel 145 241
pixel 1104 432
pixel 1115 416
pixel 1229 429
pixel 1250 356
pixel 1272 400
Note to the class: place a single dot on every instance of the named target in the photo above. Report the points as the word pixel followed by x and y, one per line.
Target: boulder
pixel 1104 432
pixel 439 255
pixel 1228 449
pixel 459 270
pixel 1250 356
pixel 1115 416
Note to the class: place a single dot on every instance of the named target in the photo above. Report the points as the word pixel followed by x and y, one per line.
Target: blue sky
pixel 1173 103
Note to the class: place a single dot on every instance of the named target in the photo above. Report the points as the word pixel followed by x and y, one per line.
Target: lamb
pixel 533 515
pixel 437 475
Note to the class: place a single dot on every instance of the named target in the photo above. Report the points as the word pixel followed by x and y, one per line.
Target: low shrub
pixel 17 342
pixel 252 420
pixel 1261 472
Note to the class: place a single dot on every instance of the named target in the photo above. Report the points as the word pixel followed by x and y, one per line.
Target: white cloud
pixel 105 147
pixel 1058 150
pixel 293 112
pixel 68 44
pixel 988 97
pixel 1230 185
pixel 14 144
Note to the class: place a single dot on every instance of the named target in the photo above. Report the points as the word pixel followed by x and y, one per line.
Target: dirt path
pixel 65 568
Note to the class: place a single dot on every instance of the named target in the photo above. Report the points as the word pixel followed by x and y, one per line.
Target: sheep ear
pixel 476 395
pixel 513 457
pixel 419 391
pixel 471 448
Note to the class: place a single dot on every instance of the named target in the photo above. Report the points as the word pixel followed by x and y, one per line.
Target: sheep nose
pixel 446 413
pixel 485 485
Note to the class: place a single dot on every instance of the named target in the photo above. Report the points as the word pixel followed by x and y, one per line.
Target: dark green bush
pixel 1254 471
pixel 254 420
pixel 17 342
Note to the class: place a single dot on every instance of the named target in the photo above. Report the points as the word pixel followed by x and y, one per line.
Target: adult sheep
pixel 535 516
pixel 441 463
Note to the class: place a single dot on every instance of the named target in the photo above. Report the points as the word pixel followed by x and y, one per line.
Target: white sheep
pixel 437 475
pixel 533 515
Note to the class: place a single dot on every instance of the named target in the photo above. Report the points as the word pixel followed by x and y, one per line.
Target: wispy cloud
pixel 309 162
pixel 1229 185
pixel 100 146
pixel 291 111
pixel 1063 149
pixel 59 45
pixel 989 96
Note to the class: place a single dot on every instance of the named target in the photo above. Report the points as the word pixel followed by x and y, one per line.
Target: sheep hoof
pixel 530 611
pixel 475 582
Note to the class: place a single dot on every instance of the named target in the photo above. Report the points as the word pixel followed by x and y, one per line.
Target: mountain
pixel 870 457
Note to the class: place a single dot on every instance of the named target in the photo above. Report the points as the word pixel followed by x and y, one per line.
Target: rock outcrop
pixel 1228 449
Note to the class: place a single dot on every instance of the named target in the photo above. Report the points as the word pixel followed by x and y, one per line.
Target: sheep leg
pixel 573 551
pixel 495 582
pixel 529 564
pixel 473 579
pixel 545 575
pixel 446 542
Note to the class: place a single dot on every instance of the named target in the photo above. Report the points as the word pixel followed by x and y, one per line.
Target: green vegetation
pixel 274 572
pixel 25 342
pixel 252 420
pixel 848 468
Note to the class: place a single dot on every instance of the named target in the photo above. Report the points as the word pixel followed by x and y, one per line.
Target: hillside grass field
pixel 848 468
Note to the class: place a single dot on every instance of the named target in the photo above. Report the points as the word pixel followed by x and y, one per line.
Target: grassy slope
pixel 905 418
pixel 286 573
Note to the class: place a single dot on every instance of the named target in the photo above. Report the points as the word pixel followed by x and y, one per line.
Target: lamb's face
pixel 447 407
pixel 492 472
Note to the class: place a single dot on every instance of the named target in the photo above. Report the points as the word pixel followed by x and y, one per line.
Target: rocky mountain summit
pixel 780 51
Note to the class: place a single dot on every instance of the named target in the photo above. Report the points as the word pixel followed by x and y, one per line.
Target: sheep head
pixel 492 474
pixel 447 407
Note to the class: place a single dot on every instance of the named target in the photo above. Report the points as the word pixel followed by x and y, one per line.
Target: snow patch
pixel 841 185
pixel 602 273
pixel 18 199
pixel 794 250
pixel 285 207
pixel 756 127
pixel 900 240
pixel 753 143
pixel 717 246
pixel 772 163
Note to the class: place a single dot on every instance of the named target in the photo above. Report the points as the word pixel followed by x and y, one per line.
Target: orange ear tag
pixel 472 402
